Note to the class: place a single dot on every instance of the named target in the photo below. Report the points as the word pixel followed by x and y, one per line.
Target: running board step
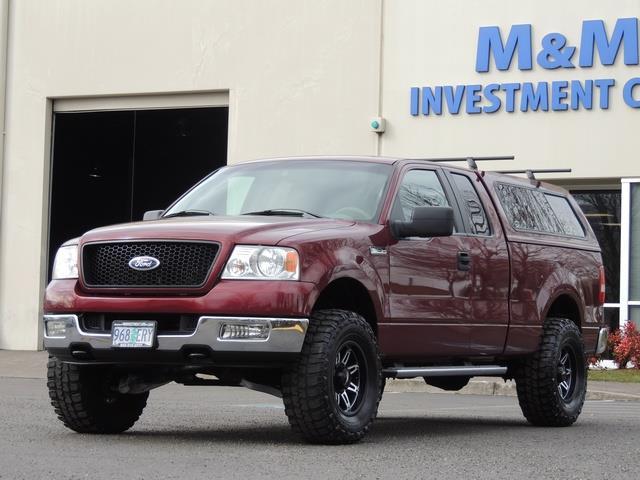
pixel 455 371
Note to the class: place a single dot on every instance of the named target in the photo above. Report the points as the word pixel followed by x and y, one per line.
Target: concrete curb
pixel 604 395
pixel 476 386
pixel 23 364
pixel 491 386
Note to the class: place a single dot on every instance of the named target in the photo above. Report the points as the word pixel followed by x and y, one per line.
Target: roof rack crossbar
pixel 532 171
pixel 471 161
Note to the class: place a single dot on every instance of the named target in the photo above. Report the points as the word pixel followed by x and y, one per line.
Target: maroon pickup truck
pixel 315 279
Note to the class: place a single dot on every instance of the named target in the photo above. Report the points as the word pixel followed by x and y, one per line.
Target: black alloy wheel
pixel 331 394
pixel 349 378
pixel 566 368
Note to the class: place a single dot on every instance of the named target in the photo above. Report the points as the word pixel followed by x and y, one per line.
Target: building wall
pixel 302 77
pixel 425 45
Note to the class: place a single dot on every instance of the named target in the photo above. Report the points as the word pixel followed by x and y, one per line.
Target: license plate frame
pixel 141 334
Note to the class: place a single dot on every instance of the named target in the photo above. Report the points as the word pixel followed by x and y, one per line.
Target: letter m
pixel 490 42
pixel 594 33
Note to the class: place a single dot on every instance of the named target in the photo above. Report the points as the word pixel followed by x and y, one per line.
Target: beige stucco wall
pixel 302 77
pixel 430 43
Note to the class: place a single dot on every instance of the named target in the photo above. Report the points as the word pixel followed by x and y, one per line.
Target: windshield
pixel 334 188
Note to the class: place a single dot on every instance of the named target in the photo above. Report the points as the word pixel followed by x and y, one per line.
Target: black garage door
pixel 111 167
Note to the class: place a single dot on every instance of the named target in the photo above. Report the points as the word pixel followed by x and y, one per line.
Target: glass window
pixel 529 209
pixel 419 188
pixel 238 188
pixel 634 244
pixel 565 215
pixel 471 204
pixel 333 188
pixel 602 209
pixel 523 207
pixel 612 318
pixel 634 315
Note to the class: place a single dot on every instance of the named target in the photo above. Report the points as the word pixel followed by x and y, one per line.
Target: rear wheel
pixel 331 394
pixel 552 384
pixel 84 402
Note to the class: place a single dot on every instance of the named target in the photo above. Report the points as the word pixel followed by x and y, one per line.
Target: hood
pixel 249 229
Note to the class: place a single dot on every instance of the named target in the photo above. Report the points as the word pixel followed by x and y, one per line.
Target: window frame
pixel 468 230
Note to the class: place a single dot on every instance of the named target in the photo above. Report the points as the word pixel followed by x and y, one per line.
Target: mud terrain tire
pixel 552 383
pixel 331 394
pixel 82 401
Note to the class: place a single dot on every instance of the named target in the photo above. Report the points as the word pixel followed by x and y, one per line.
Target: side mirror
pixel 425 222
pixel 152 215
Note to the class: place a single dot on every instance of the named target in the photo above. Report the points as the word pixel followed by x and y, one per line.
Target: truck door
pixel 429 293
pixel 485 247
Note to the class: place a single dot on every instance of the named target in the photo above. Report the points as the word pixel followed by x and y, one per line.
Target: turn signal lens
pixel 291 262
pixel 602 293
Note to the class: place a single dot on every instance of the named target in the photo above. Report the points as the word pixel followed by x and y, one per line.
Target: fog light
pixel 244 331
pixel 56 328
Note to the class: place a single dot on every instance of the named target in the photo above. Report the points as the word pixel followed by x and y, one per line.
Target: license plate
pixel 130 334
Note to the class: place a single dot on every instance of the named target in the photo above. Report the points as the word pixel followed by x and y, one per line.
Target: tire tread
pixel 536 382
pixel 304 386
pixel 79 406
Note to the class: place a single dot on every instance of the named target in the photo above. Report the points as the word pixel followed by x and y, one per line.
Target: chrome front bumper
pixel 286 335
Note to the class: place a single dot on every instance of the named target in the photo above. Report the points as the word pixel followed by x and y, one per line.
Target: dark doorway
pixel 111 167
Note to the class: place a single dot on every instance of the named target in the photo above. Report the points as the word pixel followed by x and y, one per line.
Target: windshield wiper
pixel 189 213
pixel 294 212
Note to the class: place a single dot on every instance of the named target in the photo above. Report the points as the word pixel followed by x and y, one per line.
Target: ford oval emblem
pixel 144 263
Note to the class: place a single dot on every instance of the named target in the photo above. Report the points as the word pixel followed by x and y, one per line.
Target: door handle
pixel 464 261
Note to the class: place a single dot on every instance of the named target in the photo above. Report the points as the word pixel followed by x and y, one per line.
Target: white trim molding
pixel 142 101
pixel 625 248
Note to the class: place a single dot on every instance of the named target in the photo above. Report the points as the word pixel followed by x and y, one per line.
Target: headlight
pixel 66 263
pixel 251 262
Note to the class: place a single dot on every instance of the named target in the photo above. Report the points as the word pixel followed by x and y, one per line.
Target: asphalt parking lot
pixel 204 432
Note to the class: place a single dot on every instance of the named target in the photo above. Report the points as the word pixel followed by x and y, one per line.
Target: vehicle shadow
pixel 412 427
pixel 267 434
pixel 384 429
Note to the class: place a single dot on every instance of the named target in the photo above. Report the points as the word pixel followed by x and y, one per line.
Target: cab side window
pixel 471 205
pixel 419 188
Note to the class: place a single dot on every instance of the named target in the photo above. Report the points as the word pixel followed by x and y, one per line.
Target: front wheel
pixel 552 384
pixel 331 394
pixel 84 402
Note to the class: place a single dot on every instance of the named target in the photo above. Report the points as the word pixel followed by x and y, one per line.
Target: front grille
pixel 182 264
pixel 167 323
